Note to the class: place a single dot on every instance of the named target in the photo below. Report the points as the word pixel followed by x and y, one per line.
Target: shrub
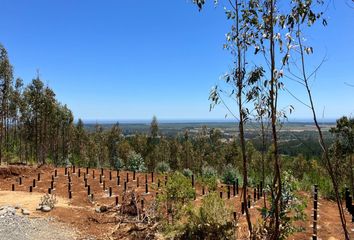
pixel 135 162
pixel 175 197
pixel 230 174
pixel 209 178
pixel 212 220
pixel 179 189
pixel 291 212
pixel 48 200
pixel 324 184
pixel 211 182
pixel 117 163
pixel 208 172
pixel 187 172
pixel 162 167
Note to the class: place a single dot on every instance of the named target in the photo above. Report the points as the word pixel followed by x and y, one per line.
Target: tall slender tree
pixel 114 137
pixel 236 79
pixel 6 78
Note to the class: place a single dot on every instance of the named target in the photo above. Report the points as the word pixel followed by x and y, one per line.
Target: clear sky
pixel 116 59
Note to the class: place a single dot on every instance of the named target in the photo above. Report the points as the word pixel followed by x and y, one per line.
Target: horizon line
pixel 191 120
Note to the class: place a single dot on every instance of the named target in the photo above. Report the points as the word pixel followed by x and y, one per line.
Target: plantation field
pixel 80 212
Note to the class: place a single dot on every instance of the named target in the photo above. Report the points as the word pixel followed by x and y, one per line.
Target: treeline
pixel 34 126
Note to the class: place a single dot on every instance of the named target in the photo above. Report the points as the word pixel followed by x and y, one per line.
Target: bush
pixel 291 213
pixel 209 178
pixel 230 174
pixel 179 189
pixel 208 172
pixel 323 181
pixel 135 162
pixel 49 200
pixel 162 167
pixel 212 220
pixel 211 182
pixel 117 163
pixel 187 172
pixel 175 197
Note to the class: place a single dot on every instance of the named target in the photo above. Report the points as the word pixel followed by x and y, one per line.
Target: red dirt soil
pixel 79 212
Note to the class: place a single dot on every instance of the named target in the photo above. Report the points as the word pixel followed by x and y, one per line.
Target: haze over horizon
pixel 177 121
pixel 132 60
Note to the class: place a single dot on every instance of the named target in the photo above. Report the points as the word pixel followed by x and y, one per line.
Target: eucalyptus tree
pixel 100 140
pixel 201 150
pixel 236 80
pixel 344 133
pixel 55 132
pixel 139 143
pixel 25 127
pixel 163 149
pixel 80 139
pixel 153 141
pixel 124 149
pixel 6 78
pixel 188 152
pixel 232 153
pixel 216 150
pixel 154 128
pixel 34 98
pixel 113 138
pixel 272 29
pixel 175 154
pixel 261 115
pixel 261 18
pixel 306 13
pixel 330 166
pixel 48 107
pixel 15 109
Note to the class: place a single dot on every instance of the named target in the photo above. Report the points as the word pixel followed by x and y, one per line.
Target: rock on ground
pixel 25 211
pixel 46 208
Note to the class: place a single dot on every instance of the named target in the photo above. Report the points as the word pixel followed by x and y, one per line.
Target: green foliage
pixel 135 162
pixel 292 211
pixel 174 199
pixel 187 172
pixel 178 189
pixel 212 220
pixel 317 175
pixel 230 174
pixel 209 178
pixel 162 167
pixel 113 138
pixel 208 172
pixel 117 163
pixel 211 182
pixel 154 128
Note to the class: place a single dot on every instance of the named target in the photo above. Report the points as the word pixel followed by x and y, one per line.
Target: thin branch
pixel 296 98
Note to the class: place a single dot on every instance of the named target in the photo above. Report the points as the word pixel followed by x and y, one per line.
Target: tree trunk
pixel 351 173
pixel 277 187
pixel 327 159
pixel 239 73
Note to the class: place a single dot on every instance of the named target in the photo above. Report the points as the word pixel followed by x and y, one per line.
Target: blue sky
pixel 121 60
